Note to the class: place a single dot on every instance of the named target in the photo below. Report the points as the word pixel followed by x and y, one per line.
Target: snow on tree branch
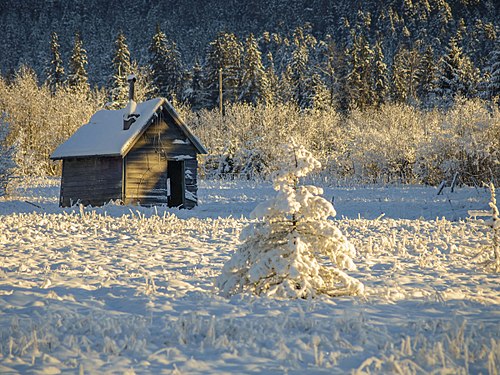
pixel 283 253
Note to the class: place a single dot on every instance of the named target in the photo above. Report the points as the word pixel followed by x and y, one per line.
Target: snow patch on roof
pixel 104 134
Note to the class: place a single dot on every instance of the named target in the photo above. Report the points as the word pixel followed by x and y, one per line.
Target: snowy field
pixel 130 290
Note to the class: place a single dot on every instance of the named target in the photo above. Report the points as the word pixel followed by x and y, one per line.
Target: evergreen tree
pixel 493 84
pixel 223 55
pixel 121 69
pixel 286 87
pixel 405 75
pixel 321 98
pixel 380 84
pixel 195 95
pixel 343 77
pixel 457 76
pixel 302 84
pixel 254 82
pixel 77 75
pixel 332 59
pixel 55 70
pixel 359 79
pixel 285 253
pixel 272 78
pixel 426 76
pixel 158 61
pixel 165 62
pixel 144 89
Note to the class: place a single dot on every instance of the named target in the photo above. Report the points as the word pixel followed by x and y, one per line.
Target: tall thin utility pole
pixel 220 91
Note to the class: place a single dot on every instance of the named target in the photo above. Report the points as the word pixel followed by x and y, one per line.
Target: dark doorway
pixel 175 180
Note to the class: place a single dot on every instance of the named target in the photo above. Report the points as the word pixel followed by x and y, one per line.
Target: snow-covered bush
pixel 293 250
pixel 393 143
pixel 242 142
pixel 40 120
pixel 464 140
pixel 384 141
pixel 476 140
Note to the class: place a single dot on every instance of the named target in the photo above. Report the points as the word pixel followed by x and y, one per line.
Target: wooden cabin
pixel 143 154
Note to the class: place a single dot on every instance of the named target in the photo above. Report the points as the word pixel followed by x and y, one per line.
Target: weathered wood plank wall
pixel 146 164
pixel 91 180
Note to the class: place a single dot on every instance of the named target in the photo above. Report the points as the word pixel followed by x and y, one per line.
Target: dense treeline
pixel 393 90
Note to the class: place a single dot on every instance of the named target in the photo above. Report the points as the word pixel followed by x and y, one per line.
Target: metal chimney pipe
pixel 131 82
pixel 129 115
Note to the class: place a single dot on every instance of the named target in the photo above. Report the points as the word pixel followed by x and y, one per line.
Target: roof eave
pixel 81 156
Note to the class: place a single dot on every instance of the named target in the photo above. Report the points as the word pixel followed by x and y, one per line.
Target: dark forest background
pixel 25 26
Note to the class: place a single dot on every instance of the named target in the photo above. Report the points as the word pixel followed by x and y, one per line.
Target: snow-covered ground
pixel 130 290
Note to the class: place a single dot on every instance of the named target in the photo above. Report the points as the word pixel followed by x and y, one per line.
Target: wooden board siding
pixel 191 181
pixel 91 180
pixel 146 164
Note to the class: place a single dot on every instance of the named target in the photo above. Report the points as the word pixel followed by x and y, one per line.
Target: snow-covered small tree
pixel 293 250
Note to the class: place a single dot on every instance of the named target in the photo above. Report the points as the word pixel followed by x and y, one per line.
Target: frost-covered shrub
pixel 293 250
pixel 475 140
pixel 393 143
pixel 494 224
pixel 40 121
pixel 384 141
pixel 243 141
pixel 464 140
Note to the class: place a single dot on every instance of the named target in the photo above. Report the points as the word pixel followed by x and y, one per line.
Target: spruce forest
pixel 346 79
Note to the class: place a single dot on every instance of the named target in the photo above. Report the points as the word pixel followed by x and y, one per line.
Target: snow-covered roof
pixel 104 134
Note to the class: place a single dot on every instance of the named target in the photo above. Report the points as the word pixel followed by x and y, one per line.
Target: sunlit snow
pixel 130 290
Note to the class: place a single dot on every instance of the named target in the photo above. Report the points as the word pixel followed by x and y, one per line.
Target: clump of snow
pixel 180 142
pixel 282 254
pixel 183 157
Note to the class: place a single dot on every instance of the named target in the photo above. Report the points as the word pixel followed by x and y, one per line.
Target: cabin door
pixel 175 183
